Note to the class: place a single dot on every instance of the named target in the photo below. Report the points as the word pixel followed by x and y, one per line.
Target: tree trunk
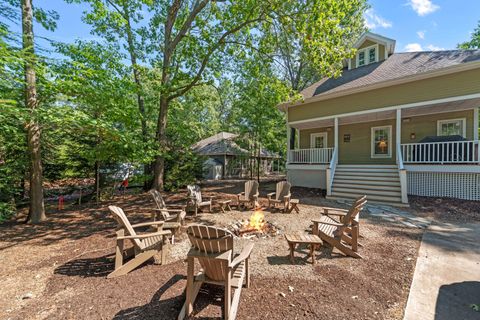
pixel 97 182
pixel 159 166
pixel 37 207
pixel 140 99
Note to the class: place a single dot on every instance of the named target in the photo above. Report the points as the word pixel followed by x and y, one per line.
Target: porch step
pixel 361 185
pixel 366 177
pixel 381 183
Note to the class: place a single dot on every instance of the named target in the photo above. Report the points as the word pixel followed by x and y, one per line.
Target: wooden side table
pixel 309 239
pixel 293 206
pixel 224 204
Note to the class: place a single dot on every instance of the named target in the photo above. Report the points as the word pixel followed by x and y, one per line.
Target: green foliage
pixel 474 42
pixel 182 168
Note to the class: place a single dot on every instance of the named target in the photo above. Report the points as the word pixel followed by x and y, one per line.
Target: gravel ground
pixel 57 270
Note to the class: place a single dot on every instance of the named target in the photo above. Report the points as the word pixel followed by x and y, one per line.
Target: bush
pixel 7 210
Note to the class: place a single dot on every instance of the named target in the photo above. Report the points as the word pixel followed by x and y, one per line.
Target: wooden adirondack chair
pixel 195 199
pixel 340 214
pixel 173 216
pixel 250 195
pixel 342 234
pixel 213 248
pixel 282 195
pixel 145 246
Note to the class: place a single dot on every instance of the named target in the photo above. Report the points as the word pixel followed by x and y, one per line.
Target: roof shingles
pixel 397 66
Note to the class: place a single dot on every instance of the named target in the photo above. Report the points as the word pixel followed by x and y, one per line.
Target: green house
pixel 393 124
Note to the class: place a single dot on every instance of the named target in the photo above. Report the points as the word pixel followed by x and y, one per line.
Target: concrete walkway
pixel 446 283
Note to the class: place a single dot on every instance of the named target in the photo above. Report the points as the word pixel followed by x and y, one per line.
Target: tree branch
pixel 206 58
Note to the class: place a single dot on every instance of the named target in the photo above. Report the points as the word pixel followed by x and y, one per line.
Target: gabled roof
pixel 215 138
pixel 397 66
pixel 387 42
pixel 222 147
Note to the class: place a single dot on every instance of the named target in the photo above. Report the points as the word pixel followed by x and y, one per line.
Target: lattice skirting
pixel 439 184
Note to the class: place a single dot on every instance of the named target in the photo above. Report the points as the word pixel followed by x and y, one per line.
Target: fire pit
pixel 255 226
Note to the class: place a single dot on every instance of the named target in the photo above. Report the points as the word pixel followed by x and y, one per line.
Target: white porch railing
pixel 314 155
pixel 330 172
pixel 402 173
pixel 441 152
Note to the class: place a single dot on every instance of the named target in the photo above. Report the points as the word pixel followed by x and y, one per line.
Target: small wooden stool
pixel 309 239
pixel 224 204
pixel 293 206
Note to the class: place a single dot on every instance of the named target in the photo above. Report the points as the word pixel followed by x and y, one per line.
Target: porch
pixel 439 137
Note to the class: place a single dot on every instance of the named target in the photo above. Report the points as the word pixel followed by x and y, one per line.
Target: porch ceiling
pixel 391 114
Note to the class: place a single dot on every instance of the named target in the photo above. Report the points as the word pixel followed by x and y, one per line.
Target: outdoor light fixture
pixel 412 136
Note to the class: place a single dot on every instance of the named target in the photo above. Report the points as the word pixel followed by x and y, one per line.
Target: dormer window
pixel 367 55
pixel 361 58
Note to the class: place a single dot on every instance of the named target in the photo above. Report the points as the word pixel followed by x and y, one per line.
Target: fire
pixel 256 221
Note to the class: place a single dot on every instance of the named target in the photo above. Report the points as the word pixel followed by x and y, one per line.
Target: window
pixel 381 142
pixel 367 55
pixel 372 55
pixel 318 140
pixel 451 127
pixel 361 58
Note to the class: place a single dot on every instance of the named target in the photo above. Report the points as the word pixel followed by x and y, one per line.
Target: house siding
pixel 424 126
pixel 457 84
pixel 305 137
pixel 358 150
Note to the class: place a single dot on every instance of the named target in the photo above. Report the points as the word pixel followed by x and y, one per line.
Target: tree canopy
pixel 160 76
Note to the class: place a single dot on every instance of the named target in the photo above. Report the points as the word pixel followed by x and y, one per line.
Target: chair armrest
pixel 245 254
pixel 287 197
pixel 146 235
pixel 240 194
pixel 144 224
pixel 328 209
pixel 170 210
pixel 176 207
pixel 270 195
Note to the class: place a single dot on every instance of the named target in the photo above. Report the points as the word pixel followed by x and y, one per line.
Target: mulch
pixel 57 270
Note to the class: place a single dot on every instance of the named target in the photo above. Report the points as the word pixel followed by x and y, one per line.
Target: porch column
pixel 475 124
pixel 336 138
pixel 288 142
pixel 398 131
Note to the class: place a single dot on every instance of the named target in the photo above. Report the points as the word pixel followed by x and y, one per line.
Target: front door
pixel 318 140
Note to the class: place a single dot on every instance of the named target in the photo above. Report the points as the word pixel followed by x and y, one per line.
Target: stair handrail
pixel 402 173
pixel 330 172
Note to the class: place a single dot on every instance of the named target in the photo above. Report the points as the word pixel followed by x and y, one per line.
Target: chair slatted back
pixel 212 240
pixel 157 197
pixel 194 193
pixel 123 223
pixel 282 190
pixel 251 189
pixel 352 214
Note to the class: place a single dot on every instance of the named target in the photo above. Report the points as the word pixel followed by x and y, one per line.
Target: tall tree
pixel 115 21
pixel 474 42
pixel 37 207
pixel 198 35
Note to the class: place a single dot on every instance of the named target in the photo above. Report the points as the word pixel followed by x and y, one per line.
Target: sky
pixel 416 25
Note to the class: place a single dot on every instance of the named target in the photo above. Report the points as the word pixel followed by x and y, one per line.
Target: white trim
pixel 475 124
pixel 372 143
pixel 441 122
pixel 318 134
pixel 335 142
pixel 307 166
pixel 350 63
pixel 298 138
pixel 445 168
pixel 389 108
pixel 375 38
pixel 409 78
